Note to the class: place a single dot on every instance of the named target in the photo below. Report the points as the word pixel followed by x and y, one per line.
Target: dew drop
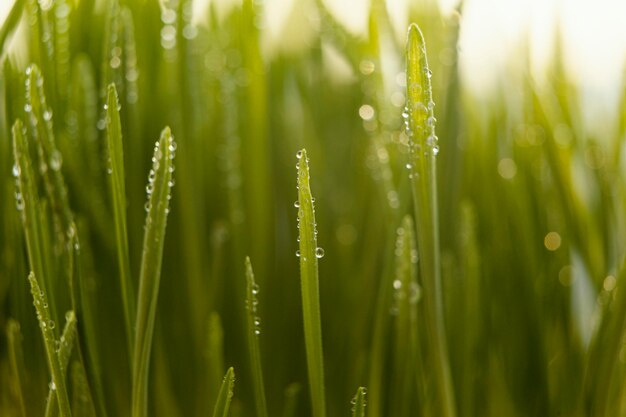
pixel 56 160
pixel 51 324
pixel 52 386
pixel 319 252
pixel 298 253
pixel 255 289
pixel 47 115
pixel 296 204
pixel 299 154
pixel 408 165
pixel 16 170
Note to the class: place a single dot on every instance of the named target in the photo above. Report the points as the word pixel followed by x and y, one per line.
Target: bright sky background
pixel 594 34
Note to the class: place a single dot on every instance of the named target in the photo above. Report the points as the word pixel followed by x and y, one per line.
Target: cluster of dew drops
pixel 319 251
pixel 252 305
pixel 156 163
pixel 426 110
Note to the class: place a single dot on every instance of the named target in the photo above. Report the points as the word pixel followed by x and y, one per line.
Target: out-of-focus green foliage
pixel 509 250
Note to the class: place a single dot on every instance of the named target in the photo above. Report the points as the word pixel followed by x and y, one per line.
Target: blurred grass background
pixel 531 203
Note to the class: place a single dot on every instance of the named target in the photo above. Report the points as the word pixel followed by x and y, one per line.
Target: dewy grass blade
pixel 64 351
pixel 358 403
pixel 226 394
pixel 27 200
pixel 254 330
pixel 308 253
pixel 47 330
pixel 423 148
pixel 16 361
pixel 118 193
pixel 159 188
pixel 40 117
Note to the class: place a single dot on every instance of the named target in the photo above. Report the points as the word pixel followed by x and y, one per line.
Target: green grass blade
pixel 27 200
pixel 226 394
pixel 292 393
pixel 423 149
pixel 358 403
pixel 254 330
pixel 118 193
pixel 40 117
pixel 309 253
pixel 16 361
pixel 64 351
pixel 159 192
pixel 81 404
pixel 47 330
pixel 10 23
pixel 215 358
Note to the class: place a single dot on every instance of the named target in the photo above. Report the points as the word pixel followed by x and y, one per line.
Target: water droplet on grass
pixel 319 252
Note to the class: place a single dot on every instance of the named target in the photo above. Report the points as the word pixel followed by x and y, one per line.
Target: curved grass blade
pixel 16 361
pixel 309 253
pixel 254 323
pixel 423 149
pixel 64 351
pixel 10 23
pixel 47 330
pixel 358 403
pixel 118 193
pixel 226 394
pixel 159 192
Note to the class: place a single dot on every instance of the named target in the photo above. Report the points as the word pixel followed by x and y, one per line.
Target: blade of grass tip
pixel 118 193
pixel 16 361
pixel 226 394
pixel 159 192
pixel 81 405
pixel 423 148
pixel 215 356
pixel 10 23
pixel 254 330
pixel 64 351
pixel 358 402
pixel 47 331
pixel 292 393
pixel 309 252
pixel 27 200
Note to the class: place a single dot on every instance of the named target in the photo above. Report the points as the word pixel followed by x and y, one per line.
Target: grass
pixel 477 274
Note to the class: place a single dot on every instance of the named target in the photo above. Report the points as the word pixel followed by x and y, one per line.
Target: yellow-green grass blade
pixel 225 395
pixel 308 253
pixel 118 194
pixel 423 149
pixel 10 24
pixel 47 330
pixel 254 330
pixel 159 193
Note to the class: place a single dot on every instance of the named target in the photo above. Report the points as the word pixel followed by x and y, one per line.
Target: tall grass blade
pixel 118 192
pixel 423 148
pixel 226 394
pixel 47 330
pixel 159 188
pixel 309 252
pixel 16 361
pixel 358 403
pixel 27 200
pixel 64 351
pixel 254 330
